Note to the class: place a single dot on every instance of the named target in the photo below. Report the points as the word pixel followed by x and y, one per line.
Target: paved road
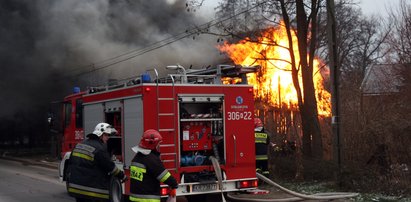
pixel 27 180
pixel 23 181
pixel 19 182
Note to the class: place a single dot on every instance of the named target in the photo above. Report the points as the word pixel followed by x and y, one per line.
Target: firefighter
pixel 147 171
pixel 262 141
pixel 91 167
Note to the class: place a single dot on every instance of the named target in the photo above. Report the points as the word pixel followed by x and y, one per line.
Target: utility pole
pixel 334 78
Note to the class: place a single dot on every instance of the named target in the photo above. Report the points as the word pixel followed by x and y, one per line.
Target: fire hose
pixel 217 171
pixel 297 196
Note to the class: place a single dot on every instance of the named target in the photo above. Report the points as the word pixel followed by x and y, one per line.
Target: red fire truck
pixel 199 117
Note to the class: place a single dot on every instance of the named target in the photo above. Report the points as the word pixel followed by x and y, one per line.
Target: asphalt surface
pixel 37 160
pixel 20 182
pixel 52 163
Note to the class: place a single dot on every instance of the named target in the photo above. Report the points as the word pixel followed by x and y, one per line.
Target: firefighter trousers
pixel 262 167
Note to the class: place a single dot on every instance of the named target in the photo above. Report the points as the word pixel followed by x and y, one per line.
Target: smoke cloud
pixel 47 46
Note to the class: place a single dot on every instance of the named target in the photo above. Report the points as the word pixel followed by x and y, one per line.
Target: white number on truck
pixel 239 116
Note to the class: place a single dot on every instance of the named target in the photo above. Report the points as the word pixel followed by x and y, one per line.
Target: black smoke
pixel 48 46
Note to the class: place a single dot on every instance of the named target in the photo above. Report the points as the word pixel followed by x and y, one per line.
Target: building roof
pixel 382 79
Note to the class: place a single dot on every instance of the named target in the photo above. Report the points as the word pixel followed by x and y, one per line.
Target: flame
pixel 275 80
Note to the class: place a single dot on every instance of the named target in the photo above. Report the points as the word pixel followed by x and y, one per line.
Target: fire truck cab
pixel 207 127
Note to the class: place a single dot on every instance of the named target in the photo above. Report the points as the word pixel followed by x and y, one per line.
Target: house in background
pixel 386 110
pixel 382 86
pixel 381 80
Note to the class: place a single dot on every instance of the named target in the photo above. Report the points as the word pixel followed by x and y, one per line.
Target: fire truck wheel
pixel 116 190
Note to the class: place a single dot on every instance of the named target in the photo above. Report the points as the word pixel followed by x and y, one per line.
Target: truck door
pixel 239 132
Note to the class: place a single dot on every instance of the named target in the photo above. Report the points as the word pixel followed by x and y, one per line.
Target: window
pixel 67 114
pixel 79 113
pixel 114 119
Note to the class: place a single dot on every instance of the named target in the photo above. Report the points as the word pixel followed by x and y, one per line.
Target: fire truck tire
pixel 116 190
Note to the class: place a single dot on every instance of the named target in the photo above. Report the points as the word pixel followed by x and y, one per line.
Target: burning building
pixel 275 94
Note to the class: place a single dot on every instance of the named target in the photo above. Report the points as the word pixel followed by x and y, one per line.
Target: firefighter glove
pixel 173 192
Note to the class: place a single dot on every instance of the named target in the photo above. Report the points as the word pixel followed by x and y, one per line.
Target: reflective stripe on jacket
pixel 89 168
pixel 144 198
pixel 88 191
pixel 261 142
pixel 146 173
pixel 261 138
pixel 261 157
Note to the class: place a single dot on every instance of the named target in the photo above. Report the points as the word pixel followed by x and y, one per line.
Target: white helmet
pixel 104 128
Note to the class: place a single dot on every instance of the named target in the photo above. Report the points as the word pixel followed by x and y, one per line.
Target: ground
pixel 311 187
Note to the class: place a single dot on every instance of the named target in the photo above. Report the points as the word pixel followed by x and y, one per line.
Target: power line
pixel 127 53
pixel 159 44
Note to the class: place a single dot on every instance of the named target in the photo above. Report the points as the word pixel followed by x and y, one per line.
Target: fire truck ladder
pixel 164 99
pixel 223 71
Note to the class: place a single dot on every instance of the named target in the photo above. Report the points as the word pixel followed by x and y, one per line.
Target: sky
pixel 369 7
pixel 378 7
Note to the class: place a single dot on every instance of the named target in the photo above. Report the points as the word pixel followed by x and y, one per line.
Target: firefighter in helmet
pixel 91 166
pixel 147 171
pixel 262 141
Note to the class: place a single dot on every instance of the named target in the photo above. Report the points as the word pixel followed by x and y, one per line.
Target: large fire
pixel 275 80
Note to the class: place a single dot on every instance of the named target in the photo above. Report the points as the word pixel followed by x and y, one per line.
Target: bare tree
pixel 400 40
pixel 307 28
pixel 361 40
pixel 376 118
pixel 400 55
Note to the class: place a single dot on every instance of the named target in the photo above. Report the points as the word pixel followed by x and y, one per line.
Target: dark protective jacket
pixel 146 173
pixel 90 169
pixel 261 142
